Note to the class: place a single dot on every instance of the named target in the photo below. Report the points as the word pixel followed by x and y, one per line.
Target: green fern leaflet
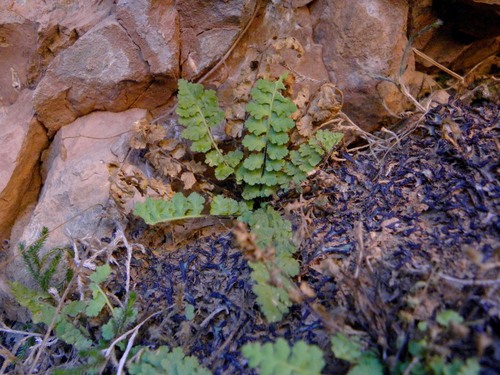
pixel 279 358
pixel 163 361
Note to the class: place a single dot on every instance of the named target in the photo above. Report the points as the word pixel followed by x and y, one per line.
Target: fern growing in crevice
pixel 199 112
pixel 265 164
pixel 268 125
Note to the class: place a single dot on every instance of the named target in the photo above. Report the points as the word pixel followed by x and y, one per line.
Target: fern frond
pixel 279 358
pixel 164 361
pixel 268 125
pixel 199 112
pixel 155 211
pixel 272 230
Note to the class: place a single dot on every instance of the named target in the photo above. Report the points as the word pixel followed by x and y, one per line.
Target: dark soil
pixel 387 239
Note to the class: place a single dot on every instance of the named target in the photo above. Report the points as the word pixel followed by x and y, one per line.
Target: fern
pixel 350 350
pixel 268 165
pixel 163 361
pixel 268 125
pixel 199 112
pixel 271 230
pixel 279 358
pixel 155 211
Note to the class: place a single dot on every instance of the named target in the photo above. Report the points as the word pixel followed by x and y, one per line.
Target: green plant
pixel 279 359
pixel 42 269
pixel 273 274
pixel 425 350
pixel 263 163
pixel 163 361
pixel 266 163
pixel 362 362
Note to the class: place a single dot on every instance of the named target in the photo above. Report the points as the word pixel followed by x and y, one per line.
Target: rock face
pixel 361 41
pixel 22 140
pixel 103 70
pixel 208 28
pixel 76 180
pixel 154 27
pixel 17 54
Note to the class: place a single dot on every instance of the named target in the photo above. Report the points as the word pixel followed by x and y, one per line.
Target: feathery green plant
pixel 266 163
pixel 164 361
pixel 199 112
pixel 278 358
pixel 272 230
pixel 42 269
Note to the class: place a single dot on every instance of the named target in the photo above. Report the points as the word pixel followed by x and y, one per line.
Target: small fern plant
pixel 265 162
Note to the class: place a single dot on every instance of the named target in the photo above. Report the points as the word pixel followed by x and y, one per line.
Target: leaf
pixel 276 152
pixel 254 143
pixel 346 348
pixel 198 110
pixel 254 161
pixel 163 361
pixel 367 365
pixel 213 158
pixel 446 317
pixel 227 206
pixel 274 302
pixel 223 171
pixel 96 304
pixel 188 179
pixel 155 211
pixel 328 139
pixel 233 158
pixel 72 335
pixel 101 273
pixel 278 358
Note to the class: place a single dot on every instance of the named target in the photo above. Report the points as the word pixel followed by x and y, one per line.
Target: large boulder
pixel 56 25
pixel 363 43
pixel 22 140
pixel 103 70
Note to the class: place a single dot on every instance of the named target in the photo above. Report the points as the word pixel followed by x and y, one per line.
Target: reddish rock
pixel 22 140
pixel 208 29
pixel 57 24
pixel 285 39
pixel 154 28
pixel 361 41
pixel 18 43
pixel 76 182
pixel 103 70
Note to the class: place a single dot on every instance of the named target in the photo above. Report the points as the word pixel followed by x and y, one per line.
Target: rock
pixel 285 35
pixel 18 42
pixel 361 41
pixel 22 140
pixel 103 70
pixel 57 24
pixel 154 28
pixel 76 187
pixel 208 29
